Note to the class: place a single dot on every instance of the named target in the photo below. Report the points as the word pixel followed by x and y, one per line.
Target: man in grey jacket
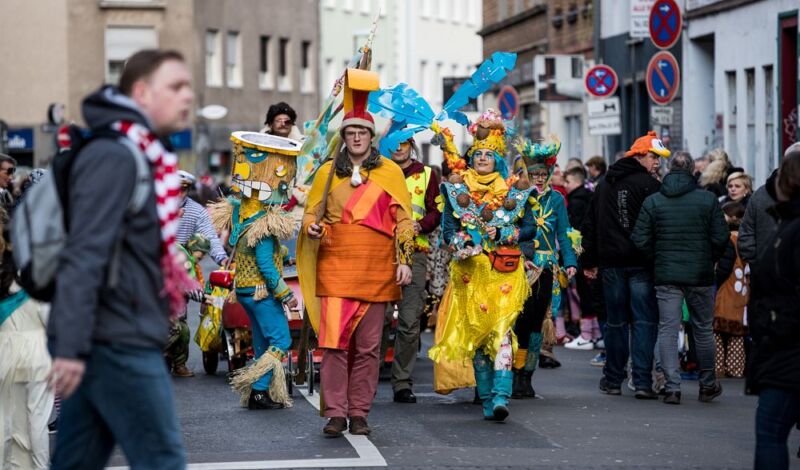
pixel 757 225
pixel 109 319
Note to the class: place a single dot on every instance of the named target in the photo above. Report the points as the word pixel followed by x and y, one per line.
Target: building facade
pixel 244 54
pixel 741 80
pixel 419 42
pixel 554 43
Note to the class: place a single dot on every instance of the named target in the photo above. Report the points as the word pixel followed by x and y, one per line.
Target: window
pixel 306 71
pixel 365 7
pixel 213 58
pixel 437 83
pixel 265 79
pixel 284 78
pixel 769 119
pixel 730 116
pixel 577 67
pixel 502 10
pixel 330 4
pixel 549 68
pixel 427 8
pixel 382 7
pixel 455 14
pixel 750 163
pixel 382 74
pixel 518 7
pixel 348 5
pixel 472 12
pixel 330 74
pixel 233 59
pixel 442 8
pixel 121 43
pixel 424 84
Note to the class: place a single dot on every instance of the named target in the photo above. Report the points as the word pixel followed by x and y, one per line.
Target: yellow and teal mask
pixel 264 166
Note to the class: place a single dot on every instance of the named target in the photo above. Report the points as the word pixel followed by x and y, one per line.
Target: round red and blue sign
pixel 508 102
pixel 601 81
pixel 663 77
pixel 665 23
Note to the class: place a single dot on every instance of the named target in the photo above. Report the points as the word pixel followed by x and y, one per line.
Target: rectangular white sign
pixel 640 18
pixel 610 125
pixel 603 108
pixel 661 115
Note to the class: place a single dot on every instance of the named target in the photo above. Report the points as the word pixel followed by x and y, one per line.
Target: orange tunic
pixel 368 231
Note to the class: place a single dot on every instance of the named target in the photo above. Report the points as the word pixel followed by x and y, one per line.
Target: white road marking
pixel 368 454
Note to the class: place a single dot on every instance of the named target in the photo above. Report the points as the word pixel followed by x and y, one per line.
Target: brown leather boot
pixel 335 427
pixel 182 371
pixel 359 426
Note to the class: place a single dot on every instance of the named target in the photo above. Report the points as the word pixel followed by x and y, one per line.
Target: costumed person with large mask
pixel 423 186
pixel 354 254
pixel 264 168
pixel 486 215
pixel 554 236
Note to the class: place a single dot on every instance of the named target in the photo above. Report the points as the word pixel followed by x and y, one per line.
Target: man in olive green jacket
pixel 683 230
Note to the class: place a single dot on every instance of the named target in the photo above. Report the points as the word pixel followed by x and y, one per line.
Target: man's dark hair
pixel 576 172
pixel 598 163
pixel 280 108
pixel 8 159
pixel 789 173
pixel 682 160
pixel 142 64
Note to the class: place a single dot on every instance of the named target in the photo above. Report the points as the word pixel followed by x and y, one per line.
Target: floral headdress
pixel 538 155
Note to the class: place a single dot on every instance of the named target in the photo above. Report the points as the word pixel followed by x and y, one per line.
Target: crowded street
pixel 569 425
pixel 413 234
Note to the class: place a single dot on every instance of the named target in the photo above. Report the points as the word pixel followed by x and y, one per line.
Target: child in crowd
pixel 730 309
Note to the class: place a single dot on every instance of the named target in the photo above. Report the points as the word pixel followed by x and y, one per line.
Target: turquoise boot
pixel 501 391
pixel 484 374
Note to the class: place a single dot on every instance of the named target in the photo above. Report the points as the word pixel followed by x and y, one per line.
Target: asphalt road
pixel 571 425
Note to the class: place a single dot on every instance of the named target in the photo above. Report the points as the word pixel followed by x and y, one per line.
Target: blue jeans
pixel 125 398
pixel 778 410
pixel 630 297
pixel 270 328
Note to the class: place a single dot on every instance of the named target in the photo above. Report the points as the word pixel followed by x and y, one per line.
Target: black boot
pixel 477 400
pixel 260 400
pixel 517 386
pixel 527 386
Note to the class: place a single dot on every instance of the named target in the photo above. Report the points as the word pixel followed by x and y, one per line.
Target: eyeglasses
pixel 537 175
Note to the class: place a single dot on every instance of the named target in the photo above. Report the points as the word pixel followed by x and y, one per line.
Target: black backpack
pixel 39 225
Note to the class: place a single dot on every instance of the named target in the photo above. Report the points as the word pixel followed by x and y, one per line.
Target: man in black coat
pixel 627 275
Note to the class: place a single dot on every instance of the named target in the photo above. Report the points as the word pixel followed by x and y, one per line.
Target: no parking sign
pixel 663 77
pixel 508 102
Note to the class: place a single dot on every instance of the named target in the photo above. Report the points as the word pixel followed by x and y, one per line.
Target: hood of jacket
pixel 624 168
pixel 108 105
pixel 677 183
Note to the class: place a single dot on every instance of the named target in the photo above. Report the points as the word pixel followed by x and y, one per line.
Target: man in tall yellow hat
pixel 354 255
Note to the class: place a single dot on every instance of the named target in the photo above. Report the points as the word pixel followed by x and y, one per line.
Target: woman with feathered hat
pixel 536 162
pixel 486 215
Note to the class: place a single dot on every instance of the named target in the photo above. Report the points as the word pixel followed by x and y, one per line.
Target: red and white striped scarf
pixel 167 187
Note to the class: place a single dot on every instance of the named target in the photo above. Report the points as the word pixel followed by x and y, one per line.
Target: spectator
pixel 774 320
pixel 683 231
pixel 108 325
pixel 627 276
pixel 700 165
pixel 578 201
pixel 715 175
pixel 740 187
pixel 574 162
pixel 8 166
pixel 195 219
pixel 596 166
pixel 732 275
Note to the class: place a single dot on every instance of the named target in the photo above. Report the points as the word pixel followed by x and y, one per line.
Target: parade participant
pixel 280 121
pixel 263 170
pixel 484 219
pixel 354 253
pixel 177 349
pixel 107 338
pixel 423 185
pixel 195 219
pixel 541 259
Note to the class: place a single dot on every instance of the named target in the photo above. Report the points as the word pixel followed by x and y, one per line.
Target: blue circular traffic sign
pixel 601 81
pixel 508 102
pixel 665 23
pixel 663 77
